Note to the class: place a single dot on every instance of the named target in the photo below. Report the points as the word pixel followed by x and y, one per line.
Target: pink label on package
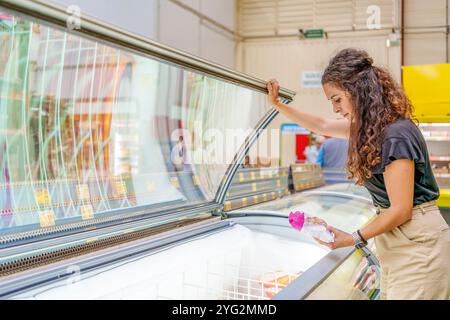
pixel 297 219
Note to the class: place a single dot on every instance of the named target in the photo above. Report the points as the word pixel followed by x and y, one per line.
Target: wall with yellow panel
pixel 428 87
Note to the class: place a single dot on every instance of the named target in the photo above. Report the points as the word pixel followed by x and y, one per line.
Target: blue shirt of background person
pixel 333 153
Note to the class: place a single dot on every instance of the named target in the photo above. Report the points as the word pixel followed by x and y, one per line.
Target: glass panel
pixel 90 130
pixel 348 188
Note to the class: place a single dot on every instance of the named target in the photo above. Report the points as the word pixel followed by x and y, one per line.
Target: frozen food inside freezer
pixel 237 263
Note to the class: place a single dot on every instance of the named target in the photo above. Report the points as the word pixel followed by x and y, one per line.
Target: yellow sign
pixel 252 174
pixel 121 188
pixel 241 176
pixel 46 218
pixel 87 212
pixel 196 180
pixel 253 187
pixel 83 192
pixel 174 182
pixel 42 197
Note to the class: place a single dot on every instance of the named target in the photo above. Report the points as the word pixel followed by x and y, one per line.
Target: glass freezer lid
pixel 92 130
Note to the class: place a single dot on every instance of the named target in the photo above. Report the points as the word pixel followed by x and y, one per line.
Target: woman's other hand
pixel 341 239
pixel 273 87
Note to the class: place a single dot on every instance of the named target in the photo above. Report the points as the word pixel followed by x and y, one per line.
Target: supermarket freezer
pixel 100 198
pixel 254 254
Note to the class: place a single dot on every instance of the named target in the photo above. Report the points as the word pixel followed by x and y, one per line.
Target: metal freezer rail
pixel 17 252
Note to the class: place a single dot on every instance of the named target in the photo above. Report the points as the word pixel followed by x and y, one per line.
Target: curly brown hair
pixel 377 101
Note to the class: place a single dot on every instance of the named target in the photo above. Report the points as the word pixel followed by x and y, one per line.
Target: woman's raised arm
pixel 329 127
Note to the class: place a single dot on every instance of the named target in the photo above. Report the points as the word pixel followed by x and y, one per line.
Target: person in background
pixel 178 154
pixel 312 151
pixel 333 154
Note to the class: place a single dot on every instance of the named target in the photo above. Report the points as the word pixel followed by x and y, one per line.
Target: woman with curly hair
pixel 388 155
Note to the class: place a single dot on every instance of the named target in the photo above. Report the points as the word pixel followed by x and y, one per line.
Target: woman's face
pixel 340 99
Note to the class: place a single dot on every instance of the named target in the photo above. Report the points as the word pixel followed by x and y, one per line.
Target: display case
pixel 306 176
pixel 437 136
pixel 253 254
pixel 427 88
pixel 118 155
pixel 254 185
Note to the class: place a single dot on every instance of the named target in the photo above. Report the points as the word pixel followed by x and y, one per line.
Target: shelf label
pixel 196 180
pixel 42 197
pixel 174 181
pixel 87 212
pixel 83 192
pixel 46 218
pixel 121 188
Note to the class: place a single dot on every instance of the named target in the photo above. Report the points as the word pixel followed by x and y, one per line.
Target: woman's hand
pixel 273 87
pixel 341 239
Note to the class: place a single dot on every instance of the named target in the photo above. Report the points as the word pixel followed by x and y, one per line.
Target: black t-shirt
pixel 403 140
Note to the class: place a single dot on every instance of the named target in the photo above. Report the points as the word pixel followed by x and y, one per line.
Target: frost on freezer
pixel 234 264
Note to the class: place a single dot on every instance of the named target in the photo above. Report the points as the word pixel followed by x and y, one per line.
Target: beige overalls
pixel 415 256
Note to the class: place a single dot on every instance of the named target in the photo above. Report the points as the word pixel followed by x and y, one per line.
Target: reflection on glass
pixel 89 128
pixel 348 188
pixel 355 279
